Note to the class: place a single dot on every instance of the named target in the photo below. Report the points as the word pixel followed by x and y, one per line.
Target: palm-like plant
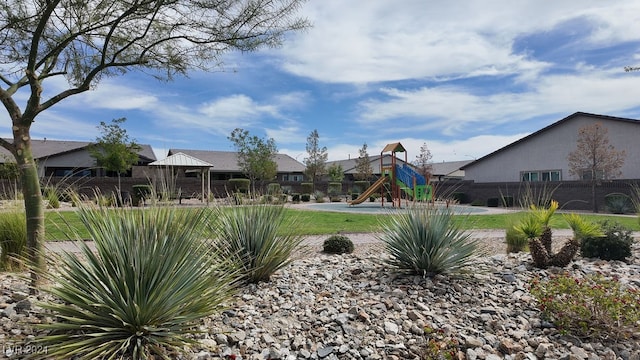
pixel 139 295
pixel 255 238
pixel 425 240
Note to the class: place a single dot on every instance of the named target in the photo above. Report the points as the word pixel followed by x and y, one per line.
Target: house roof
pixel 449 168
pixel 227 161
pixel 349 165
pixel 182 160
pixel 549 127
pixel 47 148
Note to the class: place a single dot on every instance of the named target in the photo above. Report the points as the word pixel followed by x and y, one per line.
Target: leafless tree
pixel 594 158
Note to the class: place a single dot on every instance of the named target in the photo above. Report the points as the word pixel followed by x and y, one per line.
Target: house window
pixel 586 174
pixel 285 177
pixel 545 175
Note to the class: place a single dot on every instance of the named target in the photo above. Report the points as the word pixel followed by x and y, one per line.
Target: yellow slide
pixel 367 193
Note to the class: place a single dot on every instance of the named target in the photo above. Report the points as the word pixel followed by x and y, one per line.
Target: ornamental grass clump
pixel 13 238
pixel 592 308
pixel 256 238
pixel 142 292
pixel 426 240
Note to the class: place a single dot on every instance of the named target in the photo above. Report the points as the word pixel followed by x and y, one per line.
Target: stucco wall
pixel 549 150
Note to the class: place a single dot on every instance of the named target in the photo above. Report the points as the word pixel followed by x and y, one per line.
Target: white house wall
pixel 549 150
pixel 75 159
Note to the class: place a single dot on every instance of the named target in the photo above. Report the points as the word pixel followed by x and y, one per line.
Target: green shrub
pixel 477 202
pixel 305 197
pixel 459 197
pixel 354 196
pixel 52 197
pixel 141 193
pixel 334 189
pixel 593 307
pixel 360 186
pixel 426 240
pixel 614 245
pixel 255 237
pixel 13 237
pixel 493 202
pixel 338 244
pixel 149 282
pixel 619 204
pixel 239 185
pixel 274 189
pixel 516 240
pixel 319 196
pixel 295 198
pixel 307 188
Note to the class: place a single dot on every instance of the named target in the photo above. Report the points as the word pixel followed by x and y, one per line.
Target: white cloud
pixel 377 40
pixel 450 109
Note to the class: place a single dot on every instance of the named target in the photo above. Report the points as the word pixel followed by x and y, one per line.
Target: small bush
pixel 334 189
pixel 274 189
pixel 516 240
pixel 338 244
pixel 305 197
pixel 493 202
pixel 592 308
pixel 439 345
pixel 354 196
pixel 13 237
pixel 614 245
pixel 619 204
pixel 319 196
pixel 477 202
pixel 52 197
pixel 141 193
pixel 426 240
pixel 360 186
pixel 239 185
pixel 295 198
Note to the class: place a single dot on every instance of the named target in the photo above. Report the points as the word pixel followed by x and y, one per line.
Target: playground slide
pixel 367 193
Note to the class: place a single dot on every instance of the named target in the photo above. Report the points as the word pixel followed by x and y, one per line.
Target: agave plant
pixel 139 295
pixel 255 238
pixel 425 240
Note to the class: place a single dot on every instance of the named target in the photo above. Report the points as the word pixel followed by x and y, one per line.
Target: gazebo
pixel 187 162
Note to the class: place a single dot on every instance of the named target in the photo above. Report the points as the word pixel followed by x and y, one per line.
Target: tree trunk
pixel 34 209
pixel 593 196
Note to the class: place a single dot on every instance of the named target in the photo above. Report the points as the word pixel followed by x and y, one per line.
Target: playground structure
pixel 397 179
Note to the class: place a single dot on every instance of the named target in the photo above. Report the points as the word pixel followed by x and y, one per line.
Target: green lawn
pixel 324 222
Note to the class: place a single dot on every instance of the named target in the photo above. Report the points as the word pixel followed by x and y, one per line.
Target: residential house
pixel 59 158
pixel 542 155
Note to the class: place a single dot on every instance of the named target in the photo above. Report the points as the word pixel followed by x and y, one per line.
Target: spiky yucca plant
pixel 255 238
pixel 425 240
pixel 13 237
pixel 150 280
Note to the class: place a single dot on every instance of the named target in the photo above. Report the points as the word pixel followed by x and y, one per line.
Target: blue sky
pixel 466 77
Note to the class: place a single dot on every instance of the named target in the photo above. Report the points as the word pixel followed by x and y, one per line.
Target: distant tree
pixel 9 169
pixel 82 42
pixel 423 161
pixel 317 160
pixel 255 156
pixel 364 171
pixel 594 158
pixel 335 172
pixel 113 150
